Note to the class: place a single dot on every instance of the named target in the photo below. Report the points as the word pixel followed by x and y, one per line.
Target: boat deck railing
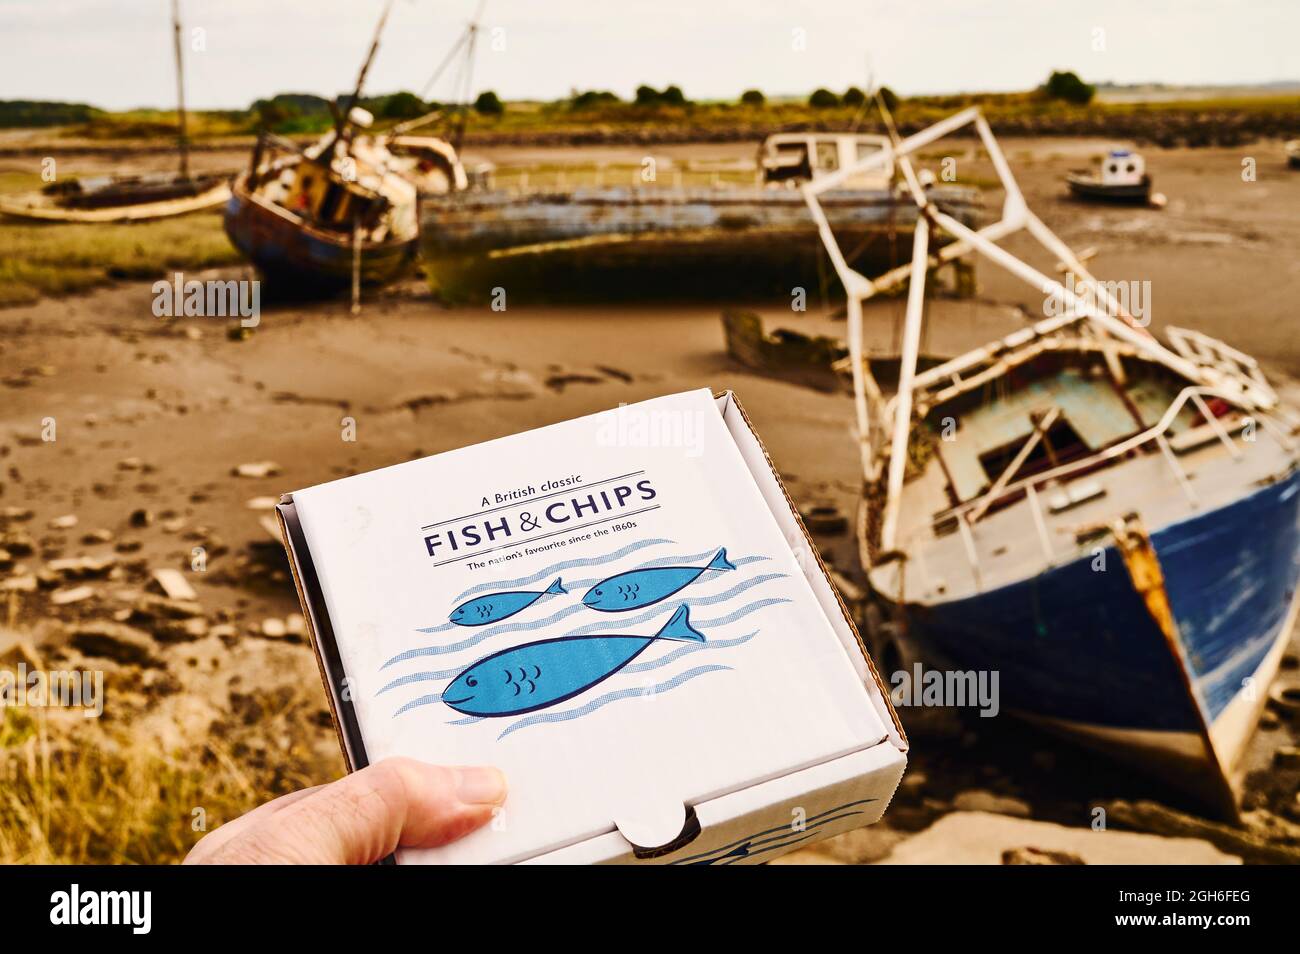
pixel 968 514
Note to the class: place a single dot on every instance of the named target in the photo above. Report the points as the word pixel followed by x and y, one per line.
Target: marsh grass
pixel 88 795
pixel 55 259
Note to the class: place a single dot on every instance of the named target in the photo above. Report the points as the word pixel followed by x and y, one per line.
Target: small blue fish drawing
pixel 541 674
pixel 494 607
pixel 637 588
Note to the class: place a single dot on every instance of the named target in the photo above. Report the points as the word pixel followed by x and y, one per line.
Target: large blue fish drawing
pixel 494 607
pixel 536 675
pixel 637 588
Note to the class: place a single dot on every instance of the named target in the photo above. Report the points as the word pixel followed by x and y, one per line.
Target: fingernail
pixel 480 785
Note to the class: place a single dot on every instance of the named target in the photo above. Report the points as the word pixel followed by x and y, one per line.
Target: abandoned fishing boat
pixel 339 212
pixel 119 198
pixel 327 215
pixel 1110 522
pixel 1122 178
pixel 127 198
pixel 672 228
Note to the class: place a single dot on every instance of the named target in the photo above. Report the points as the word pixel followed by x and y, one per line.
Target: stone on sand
pixel 116 641
pixel 981 838
pixel 981 800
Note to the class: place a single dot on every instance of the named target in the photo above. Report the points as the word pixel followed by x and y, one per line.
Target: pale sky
pixel 117 53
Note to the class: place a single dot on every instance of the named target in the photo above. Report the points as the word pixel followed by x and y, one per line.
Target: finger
pixel 214 840
pixel 365 816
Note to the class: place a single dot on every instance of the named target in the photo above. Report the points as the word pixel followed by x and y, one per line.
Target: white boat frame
pixel 1204 362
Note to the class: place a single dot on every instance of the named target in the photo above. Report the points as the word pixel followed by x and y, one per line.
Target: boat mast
pixel 180 90
pixel 340 120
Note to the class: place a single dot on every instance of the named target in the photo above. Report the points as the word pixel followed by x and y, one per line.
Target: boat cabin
pixel 1122 167
pixel 794 158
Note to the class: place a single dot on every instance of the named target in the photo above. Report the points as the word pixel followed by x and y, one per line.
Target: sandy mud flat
pixel 154 418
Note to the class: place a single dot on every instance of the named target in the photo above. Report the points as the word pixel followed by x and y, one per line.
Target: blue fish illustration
pixel 536 675
pixel 494 607
pixel 637 588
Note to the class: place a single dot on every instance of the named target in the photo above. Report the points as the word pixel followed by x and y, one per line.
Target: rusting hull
pixel 486 221
pixel 1082 652
pixel 291 254
pixel 661 242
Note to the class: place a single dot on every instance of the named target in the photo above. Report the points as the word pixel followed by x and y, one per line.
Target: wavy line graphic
pixel 684 650
pixel 816 821
pixel 556 567
pixel 615 623
pixel 654 612
pixel 683 560
pixel 610 697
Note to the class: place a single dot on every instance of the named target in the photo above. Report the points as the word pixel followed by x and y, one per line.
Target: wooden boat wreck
pixel 1109 521
pixel 127 198
pixel 1122 178
pixel 343 211
pixel 323 217
pixel 678 228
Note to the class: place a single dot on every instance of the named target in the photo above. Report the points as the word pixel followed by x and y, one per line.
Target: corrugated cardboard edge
pixel 821 565
pixel 320 632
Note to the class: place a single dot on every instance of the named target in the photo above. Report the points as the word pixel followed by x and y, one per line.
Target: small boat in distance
pixel 1122 179
pixel 128 198
pixel 1108 521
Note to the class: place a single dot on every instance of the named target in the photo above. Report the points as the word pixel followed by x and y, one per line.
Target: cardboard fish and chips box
pixel 625 614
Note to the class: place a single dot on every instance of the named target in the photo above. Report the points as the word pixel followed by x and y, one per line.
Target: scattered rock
pixel 164 607
pixel 1285 698
pixel 981 800
pixel 141 518
pixel 83 567
pixel 18 543
pixel 15 514
pixel 173 584
pixel 862 845
pixel 1029 855
pixel 825 518
pixel 258 469
pixel 295 625
pixel 65 522
pixel 262 503
pixel 97 536
pixel 1287 756
pixel 70 595
pixel 116 641
pixel 273 628
pixel 25 583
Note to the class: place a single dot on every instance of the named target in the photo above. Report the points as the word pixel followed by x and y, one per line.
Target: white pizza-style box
pixel 625 614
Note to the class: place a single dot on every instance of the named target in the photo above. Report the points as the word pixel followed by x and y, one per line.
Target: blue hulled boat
pixel 1109 521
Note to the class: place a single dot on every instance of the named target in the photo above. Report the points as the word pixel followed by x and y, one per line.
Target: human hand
pixel 360 818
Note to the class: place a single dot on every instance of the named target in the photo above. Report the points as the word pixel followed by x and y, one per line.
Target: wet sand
pixel 154 414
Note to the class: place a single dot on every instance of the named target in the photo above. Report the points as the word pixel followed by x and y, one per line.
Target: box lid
pixel 681 655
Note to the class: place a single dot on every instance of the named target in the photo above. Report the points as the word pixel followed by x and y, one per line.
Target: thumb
pixel 364 816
